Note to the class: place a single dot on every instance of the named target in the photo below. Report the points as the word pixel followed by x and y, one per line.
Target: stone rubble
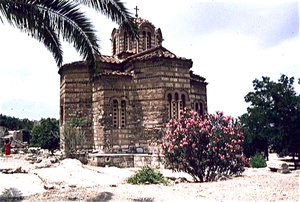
pixel 70 179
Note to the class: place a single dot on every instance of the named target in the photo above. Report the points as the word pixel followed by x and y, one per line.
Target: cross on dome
pixel 136 11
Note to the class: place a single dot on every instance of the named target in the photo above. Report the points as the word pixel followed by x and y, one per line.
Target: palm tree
pixel 50 20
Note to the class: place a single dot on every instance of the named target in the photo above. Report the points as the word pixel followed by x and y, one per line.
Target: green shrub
pixel 2 150
pixel 73 137
pixel 147 175
pixel 258 161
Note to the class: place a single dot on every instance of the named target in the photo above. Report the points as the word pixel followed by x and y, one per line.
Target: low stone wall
pixel 125 160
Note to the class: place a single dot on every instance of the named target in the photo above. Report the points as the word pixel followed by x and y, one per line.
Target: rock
pixel 30 157
pixel 14 170
pixel 39 159
pixel 280 168
pixel 46 163
pixel 72 198
pixel 33 150
pixel 171 178
pixel 284 168
pixel 72 185
pixel 53 160
pixel 48 186
pixel 113 185
pixel 223 178
pixel 139 150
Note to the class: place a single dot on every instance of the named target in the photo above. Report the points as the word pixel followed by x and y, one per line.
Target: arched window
pixel 175 103
pixel 125 41
pixel 115 114
pixel 123 113
pixel 119 114
pixel 148 40
pixel 144 41
pixel 170 105
pixel 175 107
pixel 114 47
pixel 201 109
pixel 182 102
pixel 130 41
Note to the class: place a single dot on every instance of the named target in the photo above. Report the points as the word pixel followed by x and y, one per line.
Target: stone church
pixel 138 89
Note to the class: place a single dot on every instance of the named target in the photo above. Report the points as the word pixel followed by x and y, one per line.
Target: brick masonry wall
pixel 76 99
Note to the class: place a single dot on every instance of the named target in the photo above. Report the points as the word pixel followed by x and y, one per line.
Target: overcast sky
pixel 230 43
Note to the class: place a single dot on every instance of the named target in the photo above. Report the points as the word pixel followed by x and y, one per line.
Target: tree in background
pixel 13 123
pixel 45 134
pixel 272 118
pixel 48 20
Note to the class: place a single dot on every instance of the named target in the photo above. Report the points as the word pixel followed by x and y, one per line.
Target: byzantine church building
pixel 131 96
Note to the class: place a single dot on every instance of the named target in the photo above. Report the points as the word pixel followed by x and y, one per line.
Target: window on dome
pixel 148 40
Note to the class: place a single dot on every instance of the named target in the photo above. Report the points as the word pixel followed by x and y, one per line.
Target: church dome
pixel 149 37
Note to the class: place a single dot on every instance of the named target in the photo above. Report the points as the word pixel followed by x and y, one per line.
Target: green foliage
pixel 147 175
pixel 13 123
pixel 204 146
pixel 258 161
pixel 73 137
pixel 273 117
pixel 45 134
pixel 2 150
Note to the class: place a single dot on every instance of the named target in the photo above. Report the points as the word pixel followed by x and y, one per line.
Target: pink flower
pixel 220 112
pixel 193 145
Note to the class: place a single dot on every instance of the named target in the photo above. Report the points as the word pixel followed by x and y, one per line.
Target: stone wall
pixel 76 98
pixel 125 160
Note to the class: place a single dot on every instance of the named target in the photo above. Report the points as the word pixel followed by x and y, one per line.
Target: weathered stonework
pixel 139 88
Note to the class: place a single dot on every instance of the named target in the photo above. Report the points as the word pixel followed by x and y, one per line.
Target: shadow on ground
pixel 103 196
pixel 143 200
pixel 11 194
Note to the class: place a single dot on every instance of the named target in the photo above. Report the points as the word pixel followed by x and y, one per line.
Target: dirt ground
pixel 72 181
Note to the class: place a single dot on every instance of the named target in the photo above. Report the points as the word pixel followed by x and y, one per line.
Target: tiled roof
pixel 110 59
pixel 196 77
pixel 156 52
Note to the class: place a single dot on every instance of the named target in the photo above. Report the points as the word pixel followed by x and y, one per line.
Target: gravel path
pixel 74 183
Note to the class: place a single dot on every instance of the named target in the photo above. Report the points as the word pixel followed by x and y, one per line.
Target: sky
pixel 230 43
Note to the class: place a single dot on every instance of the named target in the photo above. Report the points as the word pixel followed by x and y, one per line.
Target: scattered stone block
pixel 48 186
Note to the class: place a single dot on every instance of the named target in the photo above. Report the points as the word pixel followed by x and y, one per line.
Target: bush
pixel 147 175
pixel 258 161
pixel 73 137
pixel 204 147
pixel 2 150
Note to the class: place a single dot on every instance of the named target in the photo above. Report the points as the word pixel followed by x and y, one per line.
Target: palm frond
pixel 116 11
pixel 46 20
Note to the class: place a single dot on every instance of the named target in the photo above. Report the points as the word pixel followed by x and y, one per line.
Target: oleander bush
pixel 147 175
pixel 204 146
pixel 258 161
